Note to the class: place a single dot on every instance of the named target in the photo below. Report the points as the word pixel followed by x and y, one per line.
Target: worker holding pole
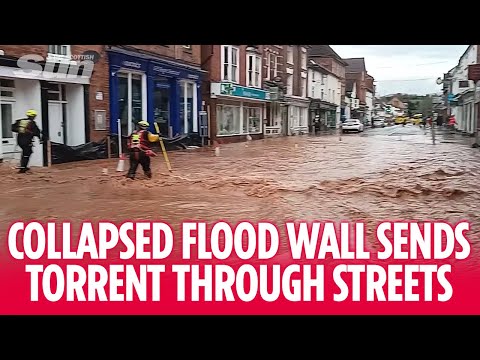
pixel 139 149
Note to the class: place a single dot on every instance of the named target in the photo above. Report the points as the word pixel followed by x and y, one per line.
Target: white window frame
pixel 303 59
pixel 229 62
pixel 186 130
pixel 188 47
pixel 55 56
pixel 129 74
pixel 240 114
pixel 269 65
pixel 303 84
pixel 290 54
pixel 247 121
pixel 7 100
pixel 275 66
pixel 256 76
pixel 289 86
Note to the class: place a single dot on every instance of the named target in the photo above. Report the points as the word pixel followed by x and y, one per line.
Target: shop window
pixel 7 101
pixel 130 100
pixel 230 63
pixel 228 120
pixel 254 63
pixel 161 105
pixel 252 120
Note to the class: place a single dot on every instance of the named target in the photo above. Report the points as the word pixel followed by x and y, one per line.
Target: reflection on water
pixel 391 173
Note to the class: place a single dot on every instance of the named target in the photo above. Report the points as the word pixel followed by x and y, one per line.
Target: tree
pixel 426 106
pixel 412 108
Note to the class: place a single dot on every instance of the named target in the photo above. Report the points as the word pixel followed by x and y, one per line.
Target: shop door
pixel 55 122
pixel 161 107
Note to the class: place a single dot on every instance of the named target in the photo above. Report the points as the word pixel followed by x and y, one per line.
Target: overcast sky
pixel 410 69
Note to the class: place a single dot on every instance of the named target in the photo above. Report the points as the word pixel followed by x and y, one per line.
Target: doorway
pixel 7 109
pixel 55 123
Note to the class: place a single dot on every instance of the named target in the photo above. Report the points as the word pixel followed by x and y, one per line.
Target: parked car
pixel 352 125
pixel 378 123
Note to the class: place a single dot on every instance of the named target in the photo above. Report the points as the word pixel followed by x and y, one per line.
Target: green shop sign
pixel 245 92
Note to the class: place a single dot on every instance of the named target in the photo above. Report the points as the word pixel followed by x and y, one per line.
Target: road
pixel 390 173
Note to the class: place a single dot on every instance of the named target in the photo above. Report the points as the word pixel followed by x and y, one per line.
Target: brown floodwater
pixel 382 174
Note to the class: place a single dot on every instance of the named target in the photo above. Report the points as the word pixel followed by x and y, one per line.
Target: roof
pixel 324 51
pixel 314 65
pixel 355 65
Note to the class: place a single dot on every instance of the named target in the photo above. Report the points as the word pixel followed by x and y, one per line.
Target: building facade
pixel 71 96
pixel 325 92
pixel 235 99
pixel 356 72
pixel 462 98
pixel 325 56
pixel 296 98
pixel 157 83
pixel 274 82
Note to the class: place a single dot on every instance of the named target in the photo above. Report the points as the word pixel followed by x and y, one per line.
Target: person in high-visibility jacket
pixel 139 148
pixel 26 130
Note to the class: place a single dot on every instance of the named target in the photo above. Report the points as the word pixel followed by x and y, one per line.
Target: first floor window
pixel 251 120
pixel 253 70
pixel 289 84
pixel 230 63
pixel 228 120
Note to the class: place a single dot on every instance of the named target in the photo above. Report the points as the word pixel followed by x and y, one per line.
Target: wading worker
pixel 139 148
pixel 26 130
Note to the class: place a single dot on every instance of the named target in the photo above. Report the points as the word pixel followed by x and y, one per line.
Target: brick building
pixel 157 83
pixel 328 101
pixel 233 91
pixel 66 104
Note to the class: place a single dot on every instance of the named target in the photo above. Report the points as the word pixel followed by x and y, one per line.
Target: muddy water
pixel 391 173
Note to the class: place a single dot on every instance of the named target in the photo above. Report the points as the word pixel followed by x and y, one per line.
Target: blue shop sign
pixel 128 62
pixel 172 71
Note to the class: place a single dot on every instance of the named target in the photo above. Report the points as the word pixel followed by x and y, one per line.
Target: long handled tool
pixel 165 156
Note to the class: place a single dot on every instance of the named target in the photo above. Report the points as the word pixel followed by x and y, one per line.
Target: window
pixel 130 100
pixel 289 54
pixel 253 70
pixel 59 49
pixel 188 103
pixel 463 83
pixel 7 101
pixel 304 87
pixel 303 59
pixel 321 94
pixel 230 63
pixel 56 92
pixel 323 79
pixel 269 66
pixel 251 120
pixel 228 120
pixel 275 66
pixel 289 84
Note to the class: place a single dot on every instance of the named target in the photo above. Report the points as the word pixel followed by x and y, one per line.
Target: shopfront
pixel 237 111
pixel 153 89
pixel 297 116
pixel 323 115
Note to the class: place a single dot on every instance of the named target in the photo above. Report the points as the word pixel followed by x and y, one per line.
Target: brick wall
pixel 99 82
pixel 178 52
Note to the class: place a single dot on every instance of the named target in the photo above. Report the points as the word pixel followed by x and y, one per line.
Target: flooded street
pixel 382 174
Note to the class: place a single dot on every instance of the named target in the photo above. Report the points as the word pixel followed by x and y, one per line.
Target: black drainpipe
pixel 45 128
pixel 86 105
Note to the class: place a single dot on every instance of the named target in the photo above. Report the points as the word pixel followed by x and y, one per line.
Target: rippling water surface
pixel 391 173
